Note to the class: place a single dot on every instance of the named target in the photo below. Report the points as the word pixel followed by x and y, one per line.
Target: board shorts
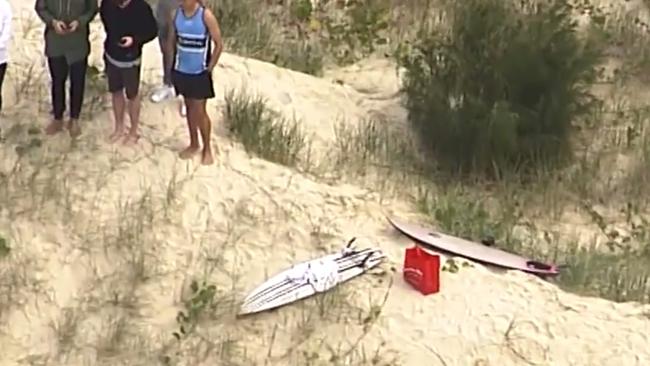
pixel 193 86
pixel 123 78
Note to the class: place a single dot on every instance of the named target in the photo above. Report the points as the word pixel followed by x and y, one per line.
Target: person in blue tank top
pixel 194 44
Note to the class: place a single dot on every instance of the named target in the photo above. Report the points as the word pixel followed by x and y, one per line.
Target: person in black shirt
pixel 129 25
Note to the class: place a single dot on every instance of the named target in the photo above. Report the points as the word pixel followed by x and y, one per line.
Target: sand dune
pixel 100 263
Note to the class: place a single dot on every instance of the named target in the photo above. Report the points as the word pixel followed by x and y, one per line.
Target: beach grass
pixel 263 131
pixel 156 283
pixel 116 255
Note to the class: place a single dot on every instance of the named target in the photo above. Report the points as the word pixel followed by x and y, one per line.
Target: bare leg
pixel 119 107
pixel 205 125
pixel 134 115
pixel 194 147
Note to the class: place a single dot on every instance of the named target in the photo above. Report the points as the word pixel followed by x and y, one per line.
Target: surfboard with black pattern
pixel 311 277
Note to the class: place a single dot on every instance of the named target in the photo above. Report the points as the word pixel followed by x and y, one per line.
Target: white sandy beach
pixel 89 297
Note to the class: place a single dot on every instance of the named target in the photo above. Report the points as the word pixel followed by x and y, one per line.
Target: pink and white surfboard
pixel 471 250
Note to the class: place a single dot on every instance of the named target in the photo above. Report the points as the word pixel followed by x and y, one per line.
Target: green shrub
pixel 301 10
pixel 500 85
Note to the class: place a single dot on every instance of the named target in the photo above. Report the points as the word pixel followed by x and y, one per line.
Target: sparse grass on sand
pixel 134 292
pixel 506 210
pixel 121 300
pixel 124 255
pixel 306 38
pixel 255 29
pixel 522 216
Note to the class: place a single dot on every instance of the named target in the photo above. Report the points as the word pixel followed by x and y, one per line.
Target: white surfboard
pixel 308 278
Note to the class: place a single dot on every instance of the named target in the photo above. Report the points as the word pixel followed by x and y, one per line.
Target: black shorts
pixel 193 86
pixel 123 78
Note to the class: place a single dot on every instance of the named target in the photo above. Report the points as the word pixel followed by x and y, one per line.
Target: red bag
pixel 422 270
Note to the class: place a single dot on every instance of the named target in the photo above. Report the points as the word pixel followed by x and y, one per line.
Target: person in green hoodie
pixel 67 47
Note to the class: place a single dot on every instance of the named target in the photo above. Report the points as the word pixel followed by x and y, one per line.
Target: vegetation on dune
pixel 500 88
pixel 619 271
pixel 511 103
pixel 507 103
pixel 512 144
pixel 301 37
pixel 262 131
pixel 116 300
pixel 250 28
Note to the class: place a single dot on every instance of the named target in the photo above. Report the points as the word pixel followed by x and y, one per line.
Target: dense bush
pixel 498 84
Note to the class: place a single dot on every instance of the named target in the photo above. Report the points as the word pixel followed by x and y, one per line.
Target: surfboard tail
pixel 373 258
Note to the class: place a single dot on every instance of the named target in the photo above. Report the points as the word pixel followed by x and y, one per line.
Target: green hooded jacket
pixel 73 46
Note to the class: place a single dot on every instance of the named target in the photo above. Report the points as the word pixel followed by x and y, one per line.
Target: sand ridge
pixel 234 224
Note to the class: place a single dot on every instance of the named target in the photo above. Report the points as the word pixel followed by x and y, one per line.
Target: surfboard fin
pixel 349 247
pixel 349 244
pixel 363 262
pixel 488 241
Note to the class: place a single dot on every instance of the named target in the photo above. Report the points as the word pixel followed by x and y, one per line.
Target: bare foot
pixel 117 134
pixel 131 138
pixel 54 127
pixel 189 152
pixel 207 158
pixel 74 128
